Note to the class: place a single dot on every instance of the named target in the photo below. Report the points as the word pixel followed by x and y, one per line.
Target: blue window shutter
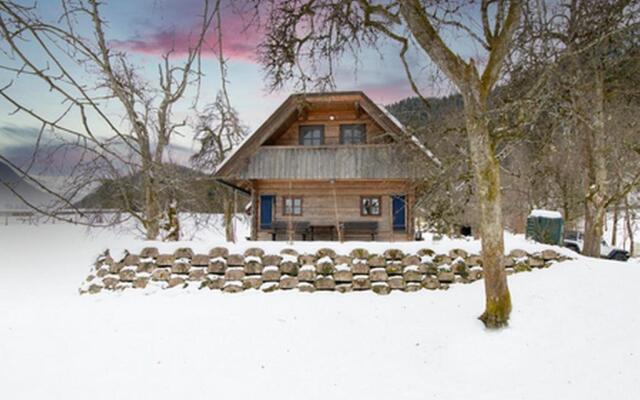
pixel 399 213
pixel 266 211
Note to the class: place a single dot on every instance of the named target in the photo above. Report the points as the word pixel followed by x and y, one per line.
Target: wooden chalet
pixel 327 166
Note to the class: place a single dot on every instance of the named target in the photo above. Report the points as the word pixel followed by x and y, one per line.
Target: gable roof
pixel 288 112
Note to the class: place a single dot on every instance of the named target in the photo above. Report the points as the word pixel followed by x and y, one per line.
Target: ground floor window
pixel 370 205
pixel 292 205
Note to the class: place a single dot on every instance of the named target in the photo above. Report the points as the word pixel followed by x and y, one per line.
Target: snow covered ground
pixel 574 334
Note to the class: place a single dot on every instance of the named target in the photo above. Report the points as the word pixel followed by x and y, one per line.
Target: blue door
pixel 399 209
pixel 266 211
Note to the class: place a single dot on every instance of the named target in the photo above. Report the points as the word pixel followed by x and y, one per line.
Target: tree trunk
pixel 151 209
pixel 596 169
pixel 173 223
pixel 486 169
pixel 628 218
pixel 614 230
pixel 228 205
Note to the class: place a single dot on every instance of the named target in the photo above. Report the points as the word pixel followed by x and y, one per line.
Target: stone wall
pixel 324 270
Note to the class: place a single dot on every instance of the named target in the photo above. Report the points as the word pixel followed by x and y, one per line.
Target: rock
pixel 460 269
pixel 396 282
pixel 254 251
pixel 307 273
pixel 509 261
pixel 360 268
pixel 344 288
pixel 413 287
pixel 222 252
pixel 509 271
pixel 446 276
pixel 550 254
pixel 378 275
pixel 394 268
pixel 306 259
pixel 474 260
pixel 102 272
pixel 94 288
pixel 393 254
pixel 271 259
pixel 183 252
pixel 252 282
pixel 197 274
pixel 381 288
pixel 431 283
pixel 344 275
pixel 235 260
pixel 343 260
pixel 410 260
pixel 475 273
pixel 165 260
pixel 289 268
pixel 306 287
pixel 425 252
pixel 234 274
pixel 522 267
pixel 131 259
pixel 325 283
pixel 291 252
pixel 200 260
pixel 536 262
pixel 325 268
pixel 361 282
pixel 149 252
pixel 217 266
pixel 288 282
pixel 180 268
pixel 271 274
pixel 326 252
pixel 115 268
pixel 253 268
pixel 110 281
pixel 269 287
pixel 412 275
pixel 161 274
pixel 146 267
pixel 441 259
pixel 518 253
pixel 232 287
pixel 214 281
pixel 455 253
pixel 127 274
pixel 140 282
pixel 176 280
pixel 377 261
pixel 359 253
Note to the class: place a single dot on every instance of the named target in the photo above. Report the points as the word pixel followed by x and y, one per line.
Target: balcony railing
pixel 373 161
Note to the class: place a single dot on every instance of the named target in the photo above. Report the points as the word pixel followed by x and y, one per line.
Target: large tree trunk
pixel 487 176
pixel 627 217
pixel 595 163
pixel 151 209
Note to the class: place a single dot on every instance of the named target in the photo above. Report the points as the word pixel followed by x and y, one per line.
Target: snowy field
pixel 574 333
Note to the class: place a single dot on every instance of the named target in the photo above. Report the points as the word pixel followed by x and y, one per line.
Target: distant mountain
pixel 413 113
pixel 9 200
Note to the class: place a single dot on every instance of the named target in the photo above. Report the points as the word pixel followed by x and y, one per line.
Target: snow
pixel 545 214
pixel 574 332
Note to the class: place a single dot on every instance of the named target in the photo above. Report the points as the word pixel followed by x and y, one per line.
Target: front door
pixel 399 209
pixel 266 211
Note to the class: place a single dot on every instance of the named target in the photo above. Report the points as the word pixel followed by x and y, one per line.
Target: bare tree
pixel 118 123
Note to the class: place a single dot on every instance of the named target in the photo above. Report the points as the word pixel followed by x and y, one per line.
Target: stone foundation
pixel 323 271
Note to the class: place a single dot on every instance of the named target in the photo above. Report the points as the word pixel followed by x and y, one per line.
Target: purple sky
pixel 147 29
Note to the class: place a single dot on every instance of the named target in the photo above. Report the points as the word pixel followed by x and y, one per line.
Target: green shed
pixel 545 226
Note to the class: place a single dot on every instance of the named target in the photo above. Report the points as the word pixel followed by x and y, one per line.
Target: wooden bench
pixel 357 228
pixel 282 228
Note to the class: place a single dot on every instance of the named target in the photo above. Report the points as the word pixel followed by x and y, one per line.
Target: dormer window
pixel 353 134
pixel 311 135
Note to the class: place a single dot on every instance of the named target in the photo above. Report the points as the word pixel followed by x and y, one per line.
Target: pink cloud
pixel 239 42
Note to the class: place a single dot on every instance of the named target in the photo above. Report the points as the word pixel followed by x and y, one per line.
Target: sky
pixel 147 29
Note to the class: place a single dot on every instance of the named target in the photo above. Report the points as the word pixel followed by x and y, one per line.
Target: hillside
pixel 413 113
pixel 16 183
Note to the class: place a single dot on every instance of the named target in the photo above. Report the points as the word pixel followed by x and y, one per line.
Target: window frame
pixel 378 198
pixel 292 213
pixel 342 133
pixel 301 133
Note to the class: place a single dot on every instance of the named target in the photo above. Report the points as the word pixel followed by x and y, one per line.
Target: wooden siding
pixel 320 199
pixel 331 162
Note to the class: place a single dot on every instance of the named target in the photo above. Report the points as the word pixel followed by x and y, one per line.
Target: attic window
pixel 353 134
pixel 312 135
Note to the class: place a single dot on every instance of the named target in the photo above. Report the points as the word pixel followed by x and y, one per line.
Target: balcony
pixel 370 161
